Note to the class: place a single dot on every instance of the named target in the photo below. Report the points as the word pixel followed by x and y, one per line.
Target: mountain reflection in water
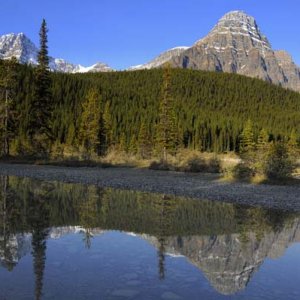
pixel 227 243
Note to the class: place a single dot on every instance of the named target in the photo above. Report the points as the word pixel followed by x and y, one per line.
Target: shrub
pixel 243 171
pixel 197 164
pixel 160 165
pixel 279 165
pixel 214 165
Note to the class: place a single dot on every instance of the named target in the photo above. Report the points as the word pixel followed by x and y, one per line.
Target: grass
pixel 184 161
pixel 229 165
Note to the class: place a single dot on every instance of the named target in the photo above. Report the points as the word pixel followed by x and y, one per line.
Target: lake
pixel 72 241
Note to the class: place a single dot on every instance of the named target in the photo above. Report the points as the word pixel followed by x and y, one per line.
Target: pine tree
pixel 165 133
pixel 8 89
pixel 71 135
pixel 107 127
pixel 123 143
pixel 144 141
pixel 41 108
pixel 263 140
pixel 90 122
pixel 132 148
pixel 262 150
pixel 293 144
pixel 247 142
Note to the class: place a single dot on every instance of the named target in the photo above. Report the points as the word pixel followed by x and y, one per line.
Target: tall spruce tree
pixel 247 142
pixel 165 133
pixel 144 141
pixel 90 122
pixel 123 143
pixel 262 150
pixel 107 126
pixel 42 107
pixel 133 147
pixel 293 144
pixel 263 140
pixel 8 90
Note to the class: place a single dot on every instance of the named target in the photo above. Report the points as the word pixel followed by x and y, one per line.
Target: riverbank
pixel 200 185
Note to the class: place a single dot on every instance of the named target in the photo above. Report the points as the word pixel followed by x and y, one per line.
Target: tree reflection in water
pixel 193 228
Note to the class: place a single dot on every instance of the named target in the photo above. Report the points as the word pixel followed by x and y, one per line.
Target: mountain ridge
pixel 20 46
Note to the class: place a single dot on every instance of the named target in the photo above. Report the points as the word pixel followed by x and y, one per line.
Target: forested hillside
pixel 211 109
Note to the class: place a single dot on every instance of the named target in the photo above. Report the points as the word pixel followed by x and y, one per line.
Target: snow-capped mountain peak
pixel 24 50
pixel 19 46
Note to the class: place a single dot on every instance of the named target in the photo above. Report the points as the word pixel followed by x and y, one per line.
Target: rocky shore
pixel 200 186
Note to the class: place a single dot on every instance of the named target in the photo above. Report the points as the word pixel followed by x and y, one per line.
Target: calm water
pixel 67 241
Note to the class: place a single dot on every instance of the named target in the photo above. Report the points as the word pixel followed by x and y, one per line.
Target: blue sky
pixel 130 32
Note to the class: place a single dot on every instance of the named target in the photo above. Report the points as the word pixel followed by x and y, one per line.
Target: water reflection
pixel 228 243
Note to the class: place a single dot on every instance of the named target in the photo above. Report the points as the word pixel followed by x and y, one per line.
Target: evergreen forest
pixel 210 110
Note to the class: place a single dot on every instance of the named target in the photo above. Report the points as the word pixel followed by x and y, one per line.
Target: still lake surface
pixel 72 241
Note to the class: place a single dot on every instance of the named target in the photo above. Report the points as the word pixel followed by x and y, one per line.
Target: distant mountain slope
pixel 161 59
pixel 21 47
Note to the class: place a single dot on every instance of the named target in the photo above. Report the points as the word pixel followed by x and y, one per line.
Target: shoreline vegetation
pixel 230 166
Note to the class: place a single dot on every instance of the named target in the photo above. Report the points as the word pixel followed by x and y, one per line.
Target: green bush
pixel 160 165
pixel 195 165
pixel 279 164
pixel 243 171
pixel 214 166
pixel 198 164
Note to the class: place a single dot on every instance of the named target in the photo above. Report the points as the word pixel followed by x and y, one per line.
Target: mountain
pixel 230 261
pixel 236 45
pixel 161 59
pixel 21 47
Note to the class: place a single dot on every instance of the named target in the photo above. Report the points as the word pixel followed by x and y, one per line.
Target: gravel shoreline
pixel 200 186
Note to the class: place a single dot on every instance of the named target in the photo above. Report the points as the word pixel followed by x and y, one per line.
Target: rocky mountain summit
pixel 21 47
pixel 237 45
